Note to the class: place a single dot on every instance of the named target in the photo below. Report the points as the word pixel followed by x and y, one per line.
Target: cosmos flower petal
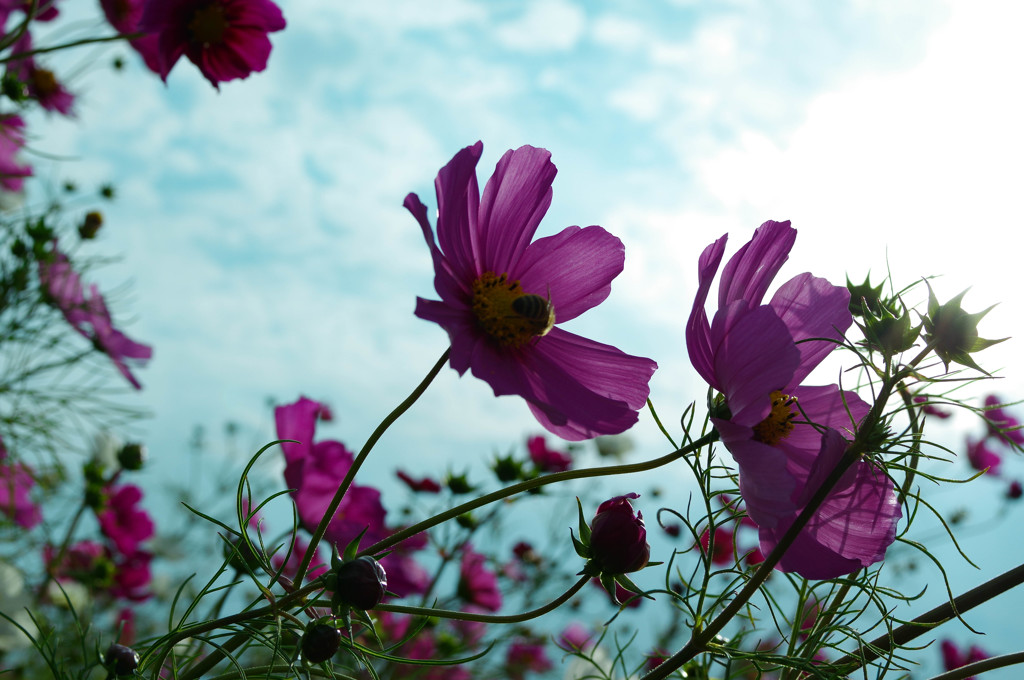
pixel 812 307
pixel 827 407
pixel 296 421
pixel 751 270
pixel 753 356
pixel 765 483
pixel 698 329
pixel 446 283
pixel 851 529
pixel 515 199
pixel 575 266
pixel 459 324
pixel 458 203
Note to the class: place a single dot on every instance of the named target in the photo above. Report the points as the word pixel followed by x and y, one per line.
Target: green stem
pixel 537 482
pixel 979 667
pixel 929 620
pixel 358 462
pixel 488 618
pixel 64 46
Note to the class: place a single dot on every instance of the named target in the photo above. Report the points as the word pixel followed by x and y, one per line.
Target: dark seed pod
pixel 361 583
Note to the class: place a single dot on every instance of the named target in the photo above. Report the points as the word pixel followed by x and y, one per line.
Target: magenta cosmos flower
pixel 124 16
pixel 12 141
pixel 124 521
pixel 226 39
pixel 757 355
pixel 477 584
pixel 89 315
pixel 16 482
pixel 502 292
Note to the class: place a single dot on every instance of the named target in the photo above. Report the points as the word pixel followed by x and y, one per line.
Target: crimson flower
pixel 289 568
pixel 618 539
pixel 89 315
pixel 953 658
pixel 502 292
pixel 786 437
pixel 724 553
pixel 226 39
pixel 526 655
pixel 16 482
pixel 123 521
pixel 424 485
pixel 547 459
pixel 477 584
pixel 124 16
pixel 12 141
pixel 983 458
pixel 1001 423
pixel 41 83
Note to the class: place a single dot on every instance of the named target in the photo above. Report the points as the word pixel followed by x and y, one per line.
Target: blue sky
pixel 263 232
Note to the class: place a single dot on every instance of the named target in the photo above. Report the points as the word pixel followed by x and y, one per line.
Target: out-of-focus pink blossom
pixel 42 83
pixel 545 458
pixel 16 482
pixel 622 596
pixel 526 655
pixel 477 584
pixel 575 637
pixel 930 409
pixel 724 553
pixel 123 521
pixel 12 141
pixel 1000 423
pixel 132 576
pixel 225 39
pixel 953 658
pixel 424 485
pixel 124 16
pixel 1015 490
pixel 983 458
pixel 290 568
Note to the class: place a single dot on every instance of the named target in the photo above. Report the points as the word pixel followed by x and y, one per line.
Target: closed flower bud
pixel 618 539
pixel 360 584
pixel 953 332
pixel 90 225
pixel 132 456
pixel 320 642
pixel 121 661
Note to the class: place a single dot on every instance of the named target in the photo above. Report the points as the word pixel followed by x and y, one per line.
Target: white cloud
pixel 546 25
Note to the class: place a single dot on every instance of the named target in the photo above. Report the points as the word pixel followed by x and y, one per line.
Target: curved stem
pixel 64 46
pixel 358 462
pixel 929 620
pixel 981 666
pixel 535 483
pixel 488 618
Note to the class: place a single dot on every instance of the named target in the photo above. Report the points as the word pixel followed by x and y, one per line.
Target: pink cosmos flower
pixel 315 470
pixel 477 584
pixel 290 568
pixel 41 83
pixel 502 292
pixel 90 316
pixel 757 355
pixel 1001 424
pixel 424 485
pixel 124 16
pixel 547 459
pixel 16 482
pixel 724 553
pixel 953 658
pixel 526 655
pixel 575 637
pixel 981 457
pixel 12 141
pixel 46 10
pixel 123 521
pixel 226 39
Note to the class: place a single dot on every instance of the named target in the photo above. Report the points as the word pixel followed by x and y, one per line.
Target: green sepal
pixel 582 549
pixel 352 549
pixel 584 527
pixel 628 584
pixel 608 582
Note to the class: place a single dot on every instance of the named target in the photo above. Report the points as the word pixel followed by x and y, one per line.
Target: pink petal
pixel 765 484
pixel 576 267
pixel 458 202
pixel 812 307
pixel 446 283
pixel 754 355
pixel 515 199
pixel 460 325
pixel 751 270
pixel 698 330
pixel 297 421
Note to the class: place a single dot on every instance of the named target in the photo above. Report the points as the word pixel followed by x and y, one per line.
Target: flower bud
pixel 618 539
pixel 132 456
pixel 90 225
pixel 953 333
pixel 120 660
pixel 360 583
pixel 320 642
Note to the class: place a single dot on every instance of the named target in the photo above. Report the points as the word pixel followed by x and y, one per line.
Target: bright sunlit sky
pixel 262 229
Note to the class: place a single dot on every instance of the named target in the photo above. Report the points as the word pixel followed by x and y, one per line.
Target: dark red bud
pixel 618 539
pixel 361 583
pixel 121 660
pixel 320 642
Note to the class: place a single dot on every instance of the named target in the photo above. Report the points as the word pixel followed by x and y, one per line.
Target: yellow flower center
pixel 208 24
pixel 509 314
pixel 44 82
pixel 779 422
